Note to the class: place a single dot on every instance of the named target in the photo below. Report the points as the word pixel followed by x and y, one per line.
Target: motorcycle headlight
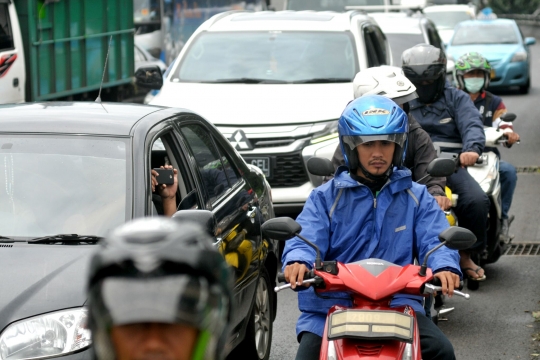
pixel 519 56
pixel 49 335
pixel 324 131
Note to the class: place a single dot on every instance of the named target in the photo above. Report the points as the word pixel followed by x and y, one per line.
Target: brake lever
pixel 430 289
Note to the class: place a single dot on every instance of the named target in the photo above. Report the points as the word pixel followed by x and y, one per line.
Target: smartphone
pixel 165 176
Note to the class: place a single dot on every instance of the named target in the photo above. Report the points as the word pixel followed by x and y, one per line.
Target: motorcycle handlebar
pixel 437 282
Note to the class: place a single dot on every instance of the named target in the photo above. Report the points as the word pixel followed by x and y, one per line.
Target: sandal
pixel 464 271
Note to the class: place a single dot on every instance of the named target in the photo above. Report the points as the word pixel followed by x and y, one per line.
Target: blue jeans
pixel 508 174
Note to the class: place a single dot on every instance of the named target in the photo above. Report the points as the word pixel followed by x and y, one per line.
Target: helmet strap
pixel 377 179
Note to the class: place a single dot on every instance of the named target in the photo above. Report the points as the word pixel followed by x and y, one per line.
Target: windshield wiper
pixel 247 81
pixel 323 80
pixel 66 238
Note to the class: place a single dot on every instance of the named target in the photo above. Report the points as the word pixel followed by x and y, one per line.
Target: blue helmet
pixel 370 118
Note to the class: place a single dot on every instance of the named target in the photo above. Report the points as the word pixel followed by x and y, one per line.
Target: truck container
pixel 64 45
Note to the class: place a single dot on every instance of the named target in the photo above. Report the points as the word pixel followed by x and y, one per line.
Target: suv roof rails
pixel 227 13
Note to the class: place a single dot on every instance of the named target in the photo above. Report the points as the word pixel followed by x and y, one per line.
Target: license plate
pixel 262 163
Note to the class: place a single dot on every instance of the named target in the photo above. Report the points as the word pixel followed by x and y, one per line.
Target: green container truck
pixel 57 49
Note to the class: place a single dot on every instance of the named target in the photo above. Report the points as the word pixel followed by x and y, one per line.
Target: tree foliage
pixel 514 6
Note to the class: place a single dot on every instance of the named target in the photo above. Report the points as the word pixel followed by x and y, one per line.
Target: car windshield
pixel 329 5
pixel 448 19
pixel 485 34
pixel 61 185
pixel 271 57
pixel 401 42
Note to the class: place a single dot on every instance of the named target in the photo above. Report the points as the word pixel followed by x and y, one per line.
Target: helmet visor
pixel 419 73
pixel 400 100
pixel 170 299
pixel 353 141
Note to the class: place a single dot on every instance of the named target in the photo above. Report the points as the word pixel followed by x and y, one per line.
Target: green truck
pixel 57 49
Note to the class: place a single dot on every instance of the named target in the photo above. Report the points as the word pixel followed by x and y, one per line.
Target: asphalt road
pixel 497 322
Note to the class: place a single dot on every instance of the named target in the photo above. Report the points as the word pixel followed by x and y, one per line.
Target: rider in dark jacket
pixel 391 82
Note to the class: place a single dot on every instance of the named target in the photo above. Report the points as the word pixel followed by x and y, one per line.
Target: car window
pixel 268 56
pixel 139 56
pixel 446 20
pixel 63 184
pixel 371 47
pixel 163 152
pixel 401 42
pixel 434 38
pixel 381 45
pixel 214 169
pixel 6 36
pixel 485 33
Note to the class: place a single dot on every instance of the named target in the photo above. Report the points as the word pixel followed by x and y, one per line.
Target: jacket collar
pixel 401 179
pixel 438 107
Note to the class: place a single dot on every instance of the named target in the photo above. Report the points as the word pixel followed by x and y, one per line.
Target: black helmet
pixel 425 66
pixel 159 270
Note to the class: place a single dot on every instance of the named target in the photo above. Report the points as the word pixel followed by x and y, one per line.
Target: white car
pixel 275 84
pixel 446 17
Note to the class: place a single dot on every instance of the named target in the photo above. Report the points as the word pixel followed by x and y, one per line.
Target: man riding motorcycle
pixel 390 82
pixel 450 118
pixel 472 74
pixel 158 289
pixel 370 210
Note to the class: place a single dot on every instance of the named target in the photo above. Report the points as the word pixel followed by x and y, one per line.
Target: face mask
pixel 474 85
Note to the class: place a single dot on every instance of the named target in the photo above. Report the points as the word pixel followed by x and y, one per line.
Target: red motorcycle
pixel 370 329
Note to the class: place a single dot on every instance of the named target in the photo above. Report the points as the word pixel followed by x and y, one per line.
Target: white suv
pixel 275 84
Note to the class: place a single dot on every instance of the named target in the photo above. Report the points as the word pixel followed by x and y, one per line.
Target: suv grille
pixel 271 142
pixel 289 171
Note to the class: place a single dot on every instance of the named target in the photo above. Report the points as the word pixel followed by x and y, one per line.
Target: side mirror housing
pixel 508 117
pixel 457 238
pixel 530 41
pixel 282 228
pixel 149 77
pixel 320 166
pixel 441 167
pixel 204 218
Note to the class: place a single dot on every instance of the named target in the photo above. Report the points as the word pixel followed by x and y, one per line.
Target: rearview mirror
pixel 149 77
pixel 508 117
pixel 320 166
pixel 441 167
pixel 282 228
pixel 204 218
pixel 457 238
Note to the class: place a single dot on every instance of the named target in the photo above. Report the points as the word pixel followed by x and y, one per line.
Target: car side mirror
pixel 508 117
pixel 441 167
pixel 530 41
pixel 320 166
pixel 149 77
pixel 204 218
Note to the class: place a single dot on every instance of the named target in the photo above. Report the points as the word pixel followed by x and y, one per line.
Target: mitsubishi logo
pixel 239 140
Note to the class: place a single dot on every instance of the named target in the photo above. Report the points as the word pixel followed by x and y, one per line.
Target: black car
pixel 71 172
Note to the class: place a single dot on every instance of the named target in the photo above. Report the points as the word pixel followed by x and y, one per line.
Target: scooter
pixel 370 329
pixel 486 173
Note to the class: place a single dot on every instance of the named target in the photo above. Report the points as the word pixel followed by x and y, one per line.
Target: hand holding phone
pixel 164 176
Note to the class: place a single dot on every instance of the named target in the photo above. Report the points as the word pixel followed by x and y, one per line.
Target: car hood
pixel 258 104
pixel 38 279
pixel 490 52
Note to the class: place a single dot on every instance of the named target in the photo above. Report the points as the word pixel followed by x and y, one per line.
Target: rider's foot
pixel 469 267
pixel 505 227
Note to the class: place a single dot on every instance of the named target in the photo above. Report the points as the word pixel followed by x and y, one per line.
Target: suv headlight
pixel 519 56
pixel 324 131
pixel 49 335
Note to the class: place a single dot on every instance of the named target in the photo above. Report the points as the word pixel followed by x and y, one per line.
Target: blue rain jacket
pixel 453 119
pixel 348 224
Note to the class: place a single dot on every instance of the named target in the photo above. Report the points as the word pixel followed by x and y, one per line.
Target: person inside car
pixel 370 210
pixel 473 73
pixel 451 120
pixel 163 195
pixel 390 82
pixel 158 289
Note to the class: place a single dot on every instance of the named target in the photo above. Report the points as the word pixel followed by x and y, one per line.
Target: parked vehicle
pixel 275 84
pixel 446 17
pixel 501 42
pixel 74 171
pixel 57 50
pixel 370 329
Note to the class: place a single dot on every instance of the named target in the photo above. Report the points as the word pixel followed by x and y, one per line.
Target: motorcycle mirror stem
pixel 318 260
pixel 423 268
